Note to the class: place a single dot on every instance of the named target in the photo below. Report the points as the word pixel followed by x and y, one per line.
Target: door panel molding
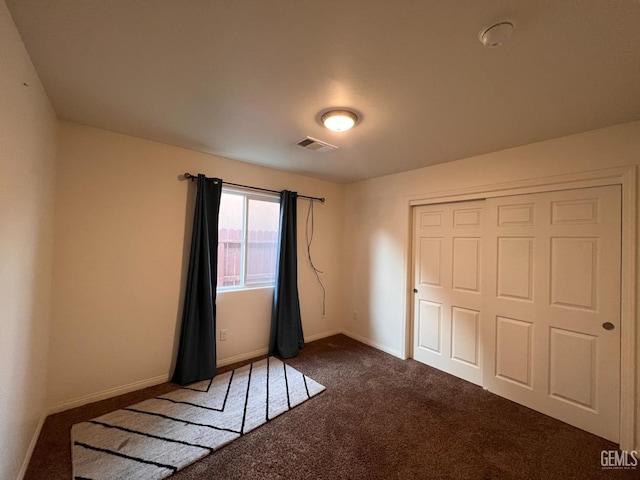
pixel 627 178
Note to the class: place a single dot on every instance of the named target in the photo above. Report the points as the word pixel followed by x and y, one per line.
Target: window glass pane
pixel 230 239
pixel 262 241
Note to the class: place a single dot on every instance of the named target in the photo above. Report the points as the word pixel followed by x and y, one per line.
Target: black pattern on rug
pixel 156 438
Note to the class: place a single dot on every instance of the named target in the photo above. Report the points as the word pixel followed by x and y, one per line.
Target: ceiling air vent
pixel 316 145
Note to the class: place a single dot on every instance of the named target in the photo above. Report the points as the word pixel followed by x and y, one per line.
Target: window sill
pixel 242 289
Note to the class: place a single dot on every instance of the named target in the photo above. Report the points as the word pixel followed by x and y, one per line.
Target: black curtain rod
pixel 191 177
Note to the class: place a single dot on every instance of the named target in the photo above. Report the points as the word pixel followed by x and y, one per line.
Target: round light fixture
pixel 496 35
pixel 339 120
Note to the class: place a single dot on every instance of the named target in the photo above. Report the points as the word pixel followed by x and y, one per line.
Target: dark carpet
pixel 379 418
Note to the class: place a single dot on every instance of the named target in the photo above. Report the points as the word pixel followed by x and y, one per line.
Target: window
pixel 247 239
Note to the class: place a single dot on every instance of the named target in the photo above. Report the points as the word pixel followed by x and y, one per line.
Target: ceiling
pixel 247 79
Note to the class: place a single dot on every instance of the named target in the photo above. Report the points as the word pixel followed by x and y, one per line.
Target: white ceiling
pixel 248 78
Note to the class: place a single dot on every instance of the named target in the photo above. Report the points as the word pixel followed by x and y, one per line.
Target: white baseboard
pixel 112 392
pixel 32 446
pixel 318 336
pixel 371 343
pixel 242 357
pixel 263 351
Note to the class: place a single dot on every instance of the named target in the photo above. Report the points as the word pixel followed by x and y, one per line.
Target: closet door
pixel 447 252
pixel 551 319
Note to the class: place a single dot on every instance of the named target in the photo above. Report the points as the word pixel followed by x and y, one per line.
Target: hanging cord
pixel 309 234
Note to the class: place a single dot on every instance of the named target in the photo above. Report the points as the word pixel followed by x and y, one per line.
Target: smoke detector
pixel 315 145
pixel 496 35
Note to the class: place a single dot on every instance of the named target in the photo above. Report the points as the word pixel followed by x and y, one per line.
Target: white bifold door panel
pixel 524 299
pixel 448 297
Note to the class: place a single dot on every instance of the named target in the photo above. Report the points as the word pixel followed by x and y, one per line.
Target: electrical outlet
pixel 223 335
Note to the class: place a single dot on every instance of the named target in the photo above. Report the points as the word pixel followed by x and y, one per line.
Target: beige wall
pixel 123 227
pixel 27 156
pixel 377 218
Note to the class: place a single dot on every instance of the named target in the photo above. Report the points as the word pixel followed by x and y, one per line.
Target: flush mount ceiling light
pixel 496 35
pixel 339 120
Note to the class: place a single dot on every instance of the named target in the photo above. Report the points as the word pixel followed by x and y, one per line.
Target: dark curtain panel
pixel 197 350
pixel 286 324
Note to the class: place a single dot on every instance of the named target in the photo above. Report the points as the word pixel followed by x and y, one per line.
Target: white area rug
pixel 156 438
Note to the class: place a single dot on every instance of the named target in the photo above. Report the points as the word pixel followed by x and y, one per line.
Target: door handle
pixel 415 290
pixel 608 326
